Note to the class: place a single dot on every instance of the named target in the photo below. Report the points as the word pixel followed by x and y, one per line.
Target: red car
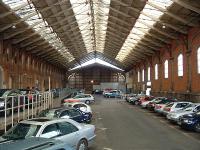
pixel 144 99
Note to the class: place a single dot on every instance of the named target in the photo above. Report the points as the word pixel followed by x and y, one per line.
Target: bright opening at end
pixel 98 61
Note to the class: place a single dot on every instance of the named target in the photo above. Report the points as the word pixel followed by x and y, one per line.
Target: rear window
pixel 21 131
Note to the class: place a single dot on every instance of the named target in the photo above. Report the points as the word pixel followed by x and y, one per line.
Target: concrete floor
pixel 121 126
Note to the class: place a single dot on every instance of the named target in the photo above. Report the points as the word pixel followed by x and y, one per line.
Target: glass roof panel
pixel 140 27
pixel 101 11
pixel 34 19
pixel 83 17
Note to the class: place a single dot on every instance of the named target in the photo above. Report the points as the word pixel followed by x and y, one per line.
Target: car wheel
pixel 197 127
pixel 82 145
pixel 87 102
pixel 136 102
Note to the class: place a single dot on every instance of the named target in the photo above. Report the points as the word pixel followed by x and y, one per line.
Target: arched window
pixel 138 76
pixel 180 65
pixel 156 71
pixel 198 60
pixel 166 68
pixel 143 75
pixel 149 74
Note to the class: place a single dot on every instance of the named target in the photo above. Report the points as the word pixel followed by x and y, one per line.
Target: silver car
pixel 78 136
pixel 34 143
pixel 174 116
pixel 174 106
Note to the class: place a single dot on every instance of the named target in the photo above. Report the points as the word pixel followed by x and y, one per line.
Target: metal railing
pixel 16 108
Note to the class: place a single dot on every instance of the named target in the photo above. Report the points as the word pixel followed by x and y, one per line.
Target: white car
pixel 82 106
pixel 78 136
pixel 85 98
pixel 192 108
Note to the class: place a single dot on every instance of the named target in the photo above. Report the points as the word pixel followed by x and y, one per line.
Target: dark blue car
pixel 191 121
pixel 67 112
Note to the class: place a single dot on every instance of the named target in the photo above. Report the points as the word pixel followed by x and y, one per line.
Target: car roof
pixel 41 121
pixel 29 143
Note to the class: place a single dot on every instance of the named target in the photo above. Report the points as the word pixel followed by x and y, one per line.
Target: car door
pixel 76 115
pixel 65 114
pixel 179 106
pixel 80 97
pixel 50 131
pixel 69 134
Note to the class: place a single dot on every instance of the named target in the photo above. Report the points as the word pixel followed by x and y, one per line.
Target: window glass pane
pixel 148 73
pixel 156 71
pixel 166 69
pixel 67 128
pixel 180 65
pixel 143 75
pixel 138 76
pixel 198 60
pixel 50 128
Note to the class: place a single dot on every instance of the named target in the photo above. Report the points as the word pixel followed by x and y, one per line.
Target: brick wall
pixel 186 87
pixel 20 69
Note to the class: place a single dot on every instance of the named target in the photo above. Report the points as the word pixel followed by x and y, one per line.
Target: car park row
pixel 48 124
pixel 183 113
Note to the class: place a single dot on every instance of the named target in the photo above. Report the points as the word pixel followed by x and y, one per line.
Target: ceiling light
pixel 163 26
pixel 13 27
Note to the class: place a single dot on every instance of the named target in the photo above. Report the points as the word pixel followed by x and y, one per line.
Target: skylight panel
pixel 141 26
pixel 31 17
pixel 82 13
pixel 101 11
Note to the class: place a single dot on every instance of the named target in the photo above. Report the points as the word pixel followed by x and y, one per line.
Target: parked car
pixel 189 109
pixel 135 100
pixel 34 143
pixel 159 106
pixel 160 101
pixel 69 131
pixel 174 106
pixel 113 93
pixel 129 97
pixel 7 97
pixel 144 104
pixel 145 99
pixel 190 121
pixel 81 106
pixel 85 98
pixel 67 112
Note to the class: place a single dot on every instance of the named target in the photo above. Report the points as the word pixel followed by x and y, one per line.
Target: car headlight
pixel 188 121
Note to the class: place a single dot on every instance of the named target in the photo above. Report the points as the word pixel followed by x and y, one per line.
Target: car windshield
pixel 49 113
pixel 21 131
